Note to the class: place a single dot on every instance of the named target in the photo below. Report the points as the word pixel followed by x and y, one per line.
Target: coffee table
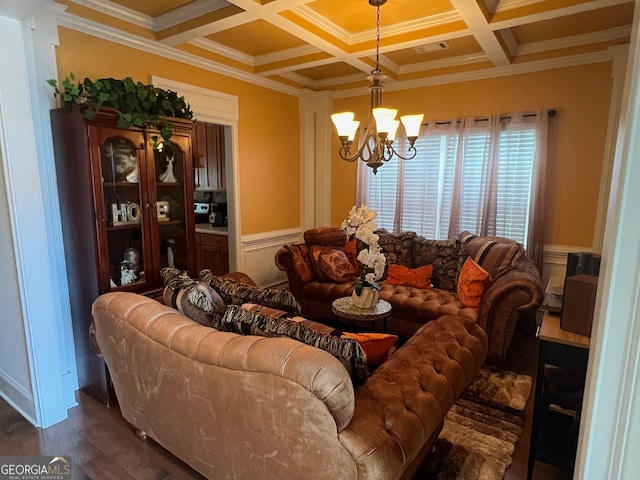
pixel 344 309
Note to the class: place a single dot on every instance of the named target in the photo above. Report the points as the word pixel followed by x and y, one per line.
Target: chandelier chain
pixel 377 70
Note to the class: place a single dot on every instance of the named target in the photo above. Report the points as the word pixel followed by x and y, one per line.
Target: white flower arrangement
pixel 361 223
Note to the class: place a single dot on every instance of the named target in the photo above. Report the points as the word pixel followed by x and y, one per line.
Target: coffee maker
pixel 201 206
pixel 218 214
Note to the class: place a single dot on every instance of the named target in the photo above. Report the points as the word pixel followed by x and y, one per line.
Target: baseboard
pixel 16 396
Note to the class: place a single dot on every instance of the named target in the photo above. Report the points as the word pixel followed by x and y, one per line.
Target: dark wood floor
pixel 102 446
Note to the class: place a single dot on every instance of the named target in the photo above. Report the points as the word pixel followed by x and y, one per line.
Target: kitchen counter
pixel 208 228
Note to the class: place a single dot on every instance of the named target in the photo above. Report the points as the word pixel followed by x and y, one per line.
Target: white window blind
pixel 493 170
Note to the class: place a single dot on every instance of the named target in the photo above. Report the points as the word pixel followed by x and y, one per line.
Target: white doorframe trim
pixel 223 109
pixel 609 428
pixel 619 53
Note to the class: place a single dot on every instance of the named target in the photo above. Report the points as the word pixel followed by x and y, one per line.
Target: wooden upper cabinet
pixel 209 156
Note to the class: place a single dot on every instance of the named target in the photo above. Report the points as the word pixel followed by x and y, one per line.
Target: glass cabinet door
pixel 171 170
pixel 125 255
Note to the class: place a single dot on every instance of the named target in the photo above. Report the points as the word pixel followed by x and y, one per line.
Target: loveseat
pixel 246 407
pixel 514 286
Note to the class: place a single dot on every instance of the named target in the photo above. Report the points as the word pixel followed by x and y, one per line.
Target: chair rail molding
pixel 554 261
pixel 257 257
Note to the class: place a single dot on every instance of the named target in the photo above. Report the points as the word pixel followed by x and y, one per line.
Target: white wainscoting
pixel 554 262
pixel 257 255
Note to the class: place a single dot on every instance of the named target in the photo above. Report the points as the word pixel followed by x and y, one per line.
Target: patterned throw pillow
pixel 193 299
pixel 376 345
pixel 472 284
pixel 314 261
pixel 496 255
pixel 234 293
pixel 246 328
pixel 447 258
pixel 300 258
pixel 337 265
pixel 411 277
pixel 347 350
pixel 397 247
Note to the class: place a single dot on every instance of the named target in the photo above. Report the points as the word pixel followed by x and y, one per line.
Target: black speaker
pixel 582 264
pixel 578 304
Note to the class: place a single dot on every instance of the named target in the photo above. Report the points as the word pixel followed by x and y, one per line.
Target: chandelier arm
pixel 392 151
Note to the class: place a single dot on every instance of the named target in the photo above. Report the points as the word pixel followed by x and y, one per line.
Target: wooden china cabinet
pixel 126 210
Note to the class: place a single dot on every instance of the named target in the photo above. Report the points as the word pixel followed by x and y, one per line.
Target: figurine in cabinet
pixel 168 176
pixel 130 266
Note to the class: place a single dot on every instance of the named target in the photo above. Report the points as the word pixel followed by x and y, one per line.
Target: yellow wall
pixel 269 162
pixel 581 95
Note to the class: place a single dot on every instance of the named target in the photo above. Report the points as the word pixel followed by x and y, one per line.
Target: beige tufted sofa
pixel 247 407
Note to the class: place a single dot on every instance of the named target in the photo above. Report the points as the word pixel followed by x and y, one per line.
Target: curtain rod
pixel 552 113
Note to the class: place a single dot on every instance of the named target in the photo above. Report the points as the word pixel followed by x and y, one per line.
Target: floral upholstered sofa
pixel 511 287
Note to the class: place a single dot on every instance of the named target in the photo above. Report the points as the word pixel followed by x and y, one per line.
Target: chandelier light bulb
pixel 345 124
pixel 392 132
pixel 384 119
pixel 354 128
pixel 412 124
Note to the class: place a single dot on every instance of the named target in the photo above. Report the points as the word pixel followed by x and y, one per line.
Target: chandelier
pixel 377 143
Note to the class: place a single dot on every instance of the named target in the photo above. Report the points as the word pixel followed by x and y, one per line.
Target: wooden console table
pixel 569 352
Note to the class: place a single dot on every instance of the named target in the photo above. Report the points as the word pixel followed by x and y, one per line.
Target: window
pixel 468 175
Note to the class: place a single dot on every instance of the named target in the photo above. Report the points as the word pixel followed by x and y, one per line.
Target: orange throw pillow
pixel 411 277
pixel 472 283
pixel 350 247
pixel 375 345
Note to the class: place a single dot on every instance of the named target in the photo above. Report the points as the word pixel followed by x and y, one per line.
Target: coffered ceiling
pixel 330 44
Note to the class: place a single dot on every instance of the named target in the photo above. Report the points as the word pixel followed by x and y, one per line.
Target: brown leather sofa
pixel 247 407
pixel 513 293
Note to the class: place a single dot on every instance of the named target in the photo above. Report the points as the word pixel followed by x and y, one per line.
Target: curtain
pixel 485 175
pixel 535 237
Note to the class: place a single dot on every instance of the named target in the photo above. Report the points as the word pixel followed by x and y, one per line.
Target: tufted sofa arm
pixel 516 291
pixel 402 405
pixel 294 259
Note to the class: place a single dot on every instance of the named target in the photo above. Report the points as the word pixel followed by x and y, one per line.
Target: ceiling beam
pixel 251 11
pixel 475 18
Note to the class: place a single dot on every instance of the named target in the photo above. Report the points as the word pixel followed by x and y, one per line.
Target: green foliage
pixel 135 103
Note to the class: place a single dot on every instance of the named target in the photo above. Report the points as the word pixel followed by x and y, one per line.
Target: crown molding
pixel 118 11
pixel 118 36
pixel 503 71
pixel 509 40
pixel 188 12
pixel 576 40
pixel 407 27
pixel 503 5
pixel 287 54
pixel 301 79
pixel 310 15
pixel 444 63
pixel 340 33
pixel 551 14
pixel 215 47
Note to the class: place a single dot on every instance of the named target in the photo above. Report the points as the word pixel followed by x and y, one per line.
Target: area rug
pixel 481 429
